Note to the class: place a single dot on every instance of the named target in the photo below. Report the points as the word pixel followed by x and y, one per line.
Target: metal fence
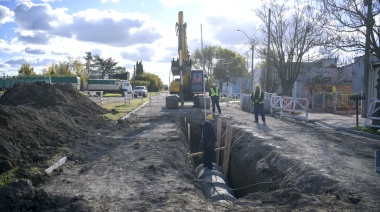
pixel 334 102
pixel 230 95
pixel 286 105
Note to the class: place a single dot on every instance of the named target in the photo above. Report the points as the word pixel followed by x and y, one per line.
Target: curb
pixel 337 129
pixel 133 111
pixel 358 133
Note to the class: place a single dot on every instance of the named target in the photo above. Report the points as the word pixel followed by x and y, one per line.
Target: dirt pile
pixel 39 123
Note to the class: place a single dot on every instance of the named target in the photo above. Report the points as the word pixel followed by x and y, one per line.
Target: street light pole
pixel 253 50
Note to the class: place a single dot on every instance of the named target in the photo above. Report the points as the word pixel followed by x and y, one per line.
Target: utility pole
pixel 253 71
pixel 134 75
pixel 268 58
pixel 253 50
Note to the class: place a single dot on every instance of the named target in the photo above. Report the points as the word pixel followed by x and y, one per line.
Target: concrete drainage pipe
pixel 214 184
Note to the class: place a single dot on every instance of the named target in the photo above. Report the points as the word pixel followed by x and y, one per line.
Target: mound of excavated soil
pixel 42 95
pixel 37 122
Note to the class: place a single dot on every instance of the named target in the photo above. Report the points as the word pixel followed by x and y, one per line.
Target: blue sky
pixel 41 32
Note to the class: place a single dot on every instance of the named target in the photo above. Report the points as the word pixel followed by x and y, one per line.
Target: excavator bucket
pixel 187 66
pixel 176 69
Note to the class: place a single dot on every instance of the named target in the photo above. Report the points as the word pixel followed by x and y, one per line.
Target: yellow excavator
pixel 186 82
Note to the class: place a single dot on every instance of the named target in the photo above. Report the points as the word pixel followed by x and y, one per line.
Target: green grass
pixel 8 177
pixel 105 95
pixel 112 95
pixel 367 130
pixel 120 109
pixel 11 175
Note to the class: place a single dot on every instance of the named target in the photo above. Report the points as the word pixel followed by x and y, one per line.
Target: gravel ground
pixel 142 164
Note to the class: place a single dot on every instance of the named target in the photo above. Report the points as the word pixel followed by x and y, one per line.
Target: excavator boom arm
pixel 183 61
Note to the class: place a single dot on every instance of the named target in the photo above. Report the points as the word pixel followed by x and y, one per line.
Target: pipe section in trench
pixel 214 184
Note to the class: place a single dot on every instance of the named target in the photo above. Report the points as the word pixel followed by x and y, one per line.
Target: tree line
pixel 96 67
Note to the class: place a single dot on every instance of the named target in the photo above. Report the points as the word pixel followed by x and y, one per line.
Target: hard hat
pixel 257 86
pixel 213 84
pixel 210 117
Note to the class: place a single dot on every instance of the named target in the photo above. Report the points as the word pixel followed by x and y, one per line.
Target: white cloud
pixel 5 15
pixel 30 50
pixel 41 63
pixel 111 28
pixel 47 1
pixel 16 61
pixel 107 1
pixel 34 16
pixel 34 38
pixel 125 36
pixel 4 46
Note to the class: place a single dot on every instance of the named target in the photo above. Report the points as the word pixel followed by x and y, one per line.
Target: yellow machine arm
pixel 183 62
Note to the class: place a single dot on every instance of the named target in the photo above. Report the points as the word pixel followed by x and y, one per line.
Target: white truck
pixel 109 86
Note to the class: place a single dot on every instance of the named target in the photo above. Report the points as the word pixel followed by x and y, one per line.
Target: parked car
pixel 140 91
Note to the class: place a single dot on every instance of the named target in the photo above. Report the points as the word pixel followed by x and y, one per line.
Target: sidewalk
pixel 334 122
pixel 340 123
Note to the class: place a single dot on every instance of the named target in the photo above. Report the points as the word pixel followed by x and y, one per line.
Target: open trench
pixel 257 166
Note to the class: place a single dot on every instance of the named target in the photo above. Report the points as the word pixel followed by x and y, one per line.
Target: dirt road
pixel 147 168
pixel 142 164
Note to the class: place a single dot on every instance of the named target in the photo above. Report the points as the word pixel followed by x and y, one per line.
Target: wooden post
pixel 185 127
pixel 101 97
pixel 188 132
pixel 357 111
pixel 218 137
pixel 227 149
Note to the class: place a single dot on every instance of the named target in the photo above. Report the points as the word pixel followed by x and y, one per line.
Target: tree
pixel 60 69
pixel 208 57
pixel 69 67
pixel 354 29
pixel 228 64
pixel 349 22
pixel 120 69
pixel 139 69
pixel 154 83
pixel 104 66
pixel 294 31
pixel 26 70
pixel 121 73
pixel 78 68
pixel 269 80
pixel 89 62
